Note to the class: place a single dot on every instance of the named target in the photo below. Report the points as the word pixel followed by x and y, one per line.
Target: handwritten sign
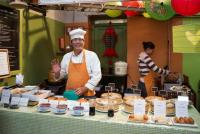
pixel 181 108
pixel 139 107
pixel 183 98
pixel 4 62
pixel 159 108
pixel 86 106
pixel 15 100
pixel 6 92
pixel 5 97
pixel 24 102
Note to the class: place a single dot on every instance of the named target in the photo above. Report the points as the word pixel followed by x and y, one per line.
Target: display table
pixel 29 121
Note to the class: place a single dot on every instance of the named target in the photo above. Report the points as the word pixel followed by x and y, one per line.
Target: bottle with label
pixel 110 112
pixel 92 107
pixel 110 109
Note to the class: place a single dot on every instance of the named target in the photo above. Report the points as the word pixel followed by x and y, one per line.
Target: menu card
pixel 139 107
pixel 159 108
pixel 4 62
pixel 5 97
pixel 183 98
pixel 181 108
pixel 24 102
pixel 15 100
pixel 86 106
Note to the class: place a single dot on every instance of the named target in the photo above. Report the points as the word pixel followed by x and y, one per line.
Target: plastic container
pixel 121 68
pixel 71 95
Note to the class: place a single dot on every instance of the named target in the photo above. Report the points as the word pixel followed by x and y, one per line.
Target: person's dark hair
pixel 148 45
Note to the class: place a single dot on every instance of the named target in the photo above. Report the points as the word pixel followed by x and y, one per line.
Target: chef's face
pixel 77 43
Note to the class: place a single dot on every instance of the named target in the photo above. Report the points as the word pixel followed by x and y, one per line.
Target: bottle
pixel 110 112
pixel 92 107
pixel 110 109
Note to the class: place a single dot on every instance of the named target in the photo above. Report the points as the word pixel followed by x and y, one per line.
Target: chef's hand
pixel 55 66
pixel 80 91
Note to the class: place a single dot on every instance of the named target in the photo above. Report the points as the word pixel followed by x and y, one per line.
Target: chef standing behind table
pixel 82 67
pixel 146 68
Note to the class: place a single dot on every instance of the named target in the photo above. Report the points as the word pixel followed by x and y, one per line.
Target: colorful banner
pixel 186 38
pixel 55 2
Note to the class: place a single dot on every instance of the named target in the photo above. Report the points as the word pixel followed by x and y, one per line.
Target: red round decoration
pixel 137 4
pixel 110 40
pixel 130 13
pixel 186 7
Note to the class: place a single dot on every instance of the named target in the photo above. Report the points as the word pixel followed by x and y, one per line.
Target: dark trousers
pixel 141 86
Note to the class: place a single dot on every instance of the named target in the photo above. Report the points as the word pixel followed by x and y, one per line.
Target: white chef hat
pixel 77 33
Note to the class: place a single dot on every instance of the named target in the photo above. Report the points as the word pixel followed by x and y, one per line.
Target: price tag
pixel 6 93
pixel 86 106
pixel 108 88
pixel 5 99
pixel 112 85
pixel 15 100
pixel 181 108
pixel 139 107
pixel 24 102
pixel 159 108
pixel 183 98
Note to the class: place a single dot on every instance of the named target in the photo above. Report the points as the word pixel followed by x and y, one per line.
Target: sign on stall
pixel 23 102
pixel 159 108
pixel 4 63
pixel 15 100
pixel 5 97
pixel 182 107
pixel 139 107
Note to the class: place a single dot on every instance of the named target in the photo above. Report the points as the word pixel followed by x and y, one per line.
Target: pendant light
pixel 18 4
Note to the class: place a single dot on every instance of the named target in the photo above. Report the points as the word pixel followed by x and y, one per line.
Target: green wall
pixel 40 43
pixel 191 64
pixel 38 46
pixel 99 47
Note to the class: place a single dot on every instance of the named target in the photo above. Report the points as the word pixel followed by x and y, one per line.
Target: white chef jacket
pixel 92 63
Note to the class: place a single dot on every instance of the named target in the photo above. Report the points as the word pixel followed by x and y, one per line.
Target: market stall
pixel 111 113
pixel 28 120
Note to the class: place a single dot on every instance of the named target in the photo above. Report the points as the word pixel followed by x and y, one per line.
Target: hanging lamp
pixel 18 4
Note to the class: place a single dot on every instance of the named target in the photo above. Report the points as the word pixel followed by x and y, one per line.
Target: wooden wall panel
pixel 140 29
pixel 176 60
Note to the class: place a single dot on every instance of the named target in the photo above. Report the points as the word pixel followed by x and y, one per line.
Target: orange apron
pixel 78 76
pixel 149 83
